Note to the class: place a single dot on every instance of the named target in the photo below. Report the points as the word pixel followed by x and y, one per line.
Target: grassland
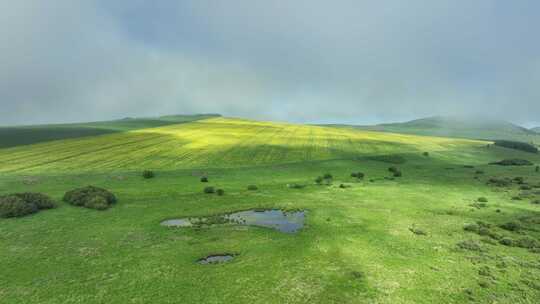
pixel 357 246
pixel 26 135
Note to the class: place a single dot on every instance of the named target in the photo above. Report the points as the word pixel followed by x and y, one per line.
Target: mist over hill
pixel 461 127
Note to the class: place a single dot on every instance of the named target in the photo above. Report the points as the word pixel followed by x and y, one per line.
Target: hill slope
pixel 25 135
pixel 460 127
pixel 216 142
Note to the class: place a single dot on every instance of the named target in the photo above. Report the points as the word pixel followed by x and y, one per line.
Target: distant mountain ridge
pixel 462 127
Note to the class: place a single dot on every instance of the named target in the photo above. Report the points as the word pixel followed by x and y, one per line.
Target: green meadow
pixel 424 237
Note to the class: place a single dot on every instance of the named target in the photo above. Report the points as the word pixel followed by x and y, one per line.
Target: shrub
pixel 328 176
pixel 513 162
pixel 148 174
pixel 479 172
pixel 220 192
pixel 525 187
pixel 511 226
pixel 527 242
pixel 507 242
pixel 209 190
pixel 41 201
pixel 391 159
pixel 319 180
pixel 426 154
pixel 295 186
pixel 358 175
pixel 519 180
pixel 204 179
pixel 516 145
pixel 86 197
pixel 97 202
pixel 13 206
pixel 537 169
pixel 470 245
pixel 397 173
pixel 482 200
pixel 252 187
pixel 393 169
pixel 499 182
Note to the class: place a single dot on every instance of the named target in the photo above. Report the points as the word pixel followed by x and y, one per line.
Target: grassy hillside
pixel 378 240
pixel 537 129
pixel 25 135
pixel 461 128
pixel 217 142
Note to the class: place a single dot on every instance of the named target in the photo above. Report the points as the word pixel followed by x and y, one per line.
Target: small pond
pixel 216 259
pixel 284 221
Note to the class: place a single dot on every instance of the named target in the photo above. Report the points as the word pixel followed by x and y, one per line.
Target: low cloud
pixel 305 61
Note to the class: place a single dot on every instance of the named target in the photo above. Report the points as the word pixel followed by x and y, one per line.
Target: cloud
pixel 344 61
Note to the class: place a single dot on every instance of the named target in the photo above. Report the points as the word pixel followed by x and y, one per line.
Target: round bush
pixel 41 201
pixel 397 173
pixel 327 176
pixel 13 206
pixel 252 187
pixel 204 179
pixel 220 192
pixel 482 200
pixel 148 174
pixel 83 197
pixel 209 190
pixel 97 202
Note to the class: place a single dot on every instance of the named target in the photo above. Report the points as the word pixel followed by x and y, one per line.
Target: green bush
pixel 358 175
pixel 516 145
pixel 499 182
pixel 328 176
pixel 397 174
pixel 41 201
pixel 97 202
pixel 296 186
pixel 252 187
pixel 537 169
pixel 13 206
pixel 220 192
pixel 393 169
pixel 391 159
pixel 209 190
pixel 204 179
pixel 426 154
pixel 507 242
pixel 513 162
pixel 86 197
pixel 148 174
pixel 319 180
pixel 511 226
pixel 482 200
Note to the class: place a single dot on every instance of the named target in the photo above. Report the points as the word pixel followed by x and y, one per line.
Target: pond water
pixel 177 223
pixel 216 259
pixel 283 221
pixel 287 222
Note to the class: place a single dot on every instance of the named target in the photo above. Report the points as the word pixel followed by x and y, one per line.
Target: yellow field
pixel 216 142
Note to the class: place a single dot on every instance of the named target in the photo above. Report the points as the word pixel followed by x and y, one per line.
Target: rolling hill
pixel 461 128
pixel 25 135
pixel 537 129
pixel 386 238
pixel 214 142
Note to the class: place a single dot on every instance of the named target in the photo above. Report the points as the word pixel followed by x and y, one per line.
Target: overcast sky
pixel 302 61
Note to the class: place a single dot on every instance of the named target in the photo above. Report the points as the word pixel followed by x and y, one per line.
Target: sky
pixel 339 61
